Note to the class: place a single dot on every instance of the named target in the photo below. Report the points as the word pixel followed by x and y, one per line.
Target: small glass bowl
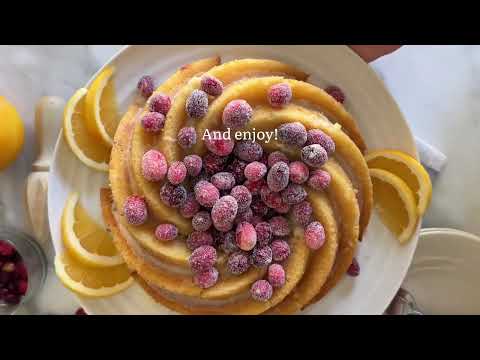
pixel 35 262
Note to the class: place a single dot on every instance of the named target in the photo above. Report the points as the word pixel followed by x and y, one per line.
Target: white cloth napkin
pixel 432 158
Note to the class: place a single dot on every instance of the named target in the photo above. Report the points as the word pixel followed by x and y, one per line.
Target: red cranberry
pixel 302 213
pixel 278 176
pixel 238 263
pixel 298 172
pixel 255 171
pixel 193 163
pixel 261 290
pixel 187 137
pixel 214 163
pixel 146 86
pixel 236 114
pixel 173 196
pixel 224 212
pixel 223 180
pixel 294 194
pixel 261 256
pixel 190 207
pixel 177 172
pixel 135 210
pixel 154 165
pixel 354 268
pixel 206 279
pixel 197 239
pixel 248 150
pixel 243 197
pixel 276 275
pixel 314 155
pixel 279 95
pixel 206 193
pixel 277 156
pixel 166 232
pixel 336 93
pixel 220 147
pixel 255 186
pixel 314 235
pixel 280 226
pixel 153 122
pixel 264 233
pixel 80 311
pixel 160 103
pixel 246 236
pixel 203 258
pixel 316 136
pixel 201 221
pixel 211 85
pixel 280 250
pixel 293 134
pixel 6 249
pixel 319 180
pixel 197 104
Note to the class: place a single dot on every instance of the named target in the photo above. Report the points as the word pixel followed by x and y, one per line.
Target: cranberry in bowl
pixel 23 268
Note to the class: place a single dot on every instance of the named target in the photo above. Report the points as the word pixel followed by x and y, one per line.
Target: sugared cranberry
pixel 80 311
pixel 153 122
pixel 261 256
pixel 203 258
pixel 319 180
pixel 259 208
pixel 298 172
pixel 294 194
pixel 354 268
pixel 280 226
pixel 206 193
pixel 261 290
pixel 223 180
pixel 213 163
pixel 220 147
pixel 314 235
pixel 276 275
pixel 173 196
pixel 302 213
pixel 255 171
pixel 316 136
pixel 270 198
pixel 237 168
pixel 196 105
pixel 154 165
pixel 236 114
pixel 226 242
pixel 279 95
pixel 224 212
pixel 198 238
pixel 245 236
pixel 201 221
pixel 187 137
pixel 280 250
pixel 146 86
pixel 255 186
pixel 293 134
pixel 277 156
pixel 264 233
pixel 177 172
pixel 248 150
pixel 336 93
pixel 278 176
pixel 206 278
pixel 243 197
pixel 160 103
pixel 193 163
pixel 190 207
pixel 244 216
pixel 211 85
pixel 314 155
pixel 166 232
pixel 238 263
pixel 6 249
pixel 135 210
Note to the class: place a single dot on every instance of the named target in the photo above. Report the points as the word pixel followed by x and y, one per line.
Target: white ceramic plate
pixel 443 277
pixel 383 261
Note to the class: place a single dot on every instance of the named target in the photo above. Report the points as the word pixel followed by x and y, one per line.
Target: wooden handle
pixel 48 121
pixel 36 193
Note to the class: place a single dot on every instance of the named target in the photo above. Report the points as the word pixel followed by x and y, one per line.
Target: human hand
pixel 370 53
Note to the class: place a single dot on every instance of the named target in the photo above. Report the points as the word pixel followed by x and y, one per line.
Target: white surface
pixel 444 274
pixel 436 87
pixel 368 102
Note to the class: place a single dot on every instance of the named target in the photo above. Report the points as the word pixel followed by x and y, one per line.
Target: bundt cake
pixel 237 188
